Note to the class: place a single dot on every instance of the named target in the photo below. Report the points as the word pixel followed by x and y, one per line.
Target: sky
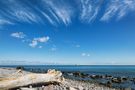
pixel 82 32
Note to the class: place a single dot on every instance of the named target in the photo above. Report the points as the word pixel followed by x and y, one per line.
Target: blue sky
pixel 91 32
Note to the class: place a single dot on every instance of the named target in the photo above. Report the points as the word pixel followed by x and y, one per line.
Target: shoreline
pixel 69 84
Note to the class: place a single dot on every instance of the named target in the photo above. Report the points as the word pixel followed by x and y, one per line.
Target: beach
pixel 68 84
pixel 67 44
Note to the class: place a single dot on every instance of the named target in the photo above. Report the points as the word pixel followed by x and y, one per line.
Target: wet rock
pixel 76 74
pixel 96 76
pixel 70 74
pixel 133 80
pixel 79 74
pixel 108 76
pixel 20 67
pixel 124 78
pixel 67 88
pixel 117 80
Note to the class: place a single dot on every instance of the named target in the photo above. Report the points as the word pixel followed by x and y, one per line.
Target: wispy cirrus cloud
pixel 4 22
pixel 48 18
pixel 118 9
pixel 26 16
pixel 18 11
pixel 26 11
pixel 89 9
pixel 62 12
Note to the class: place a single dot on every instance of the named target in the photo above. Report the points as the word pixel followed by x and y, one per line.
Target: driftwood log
pixel 29 79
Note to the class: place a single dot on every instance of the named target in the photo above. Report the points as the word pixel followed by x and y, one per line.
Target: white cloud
pixel 118 9
pixel 18 35
pixel 26 16
pixel 33 43
pixel 42 39
pixel 4 21
pixel 54 15
pixel 89 9
pixel 85 54
pixel 48 18
pixel 36 41
pixel 19 12
pixel 61 11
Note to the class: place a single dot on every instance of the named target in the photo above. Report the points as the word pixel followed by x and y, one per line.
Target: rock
pixel 28 89
pixel 20 67
pixel 79 74
pixel 95 76
pixel 108 76
pixel 117 80
pixel 68 84
pixel 109 84
pixel 71 88
pixel 70 74
pixel 124 78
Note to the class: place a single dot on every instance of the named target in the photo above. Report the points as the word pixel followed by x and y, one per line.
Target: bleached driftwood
pixel 33 78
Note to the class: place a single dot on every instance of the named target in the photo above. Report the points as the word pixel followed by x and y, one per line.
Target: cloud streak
pixel 5 22
pixel 62 12
pixel 89 9
pixel 118 9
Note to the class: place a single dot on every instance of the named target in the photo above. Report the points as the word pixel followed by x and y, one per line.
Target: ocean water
pixel 127 71
pixel 124 70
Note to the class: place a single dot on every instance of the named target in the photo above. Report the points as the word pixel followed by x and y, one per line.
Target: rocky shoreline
pixel 69 84
pixel 106 80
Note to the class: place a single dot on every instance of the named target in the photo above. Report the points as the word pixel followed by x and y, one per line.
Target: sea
pixel 127 71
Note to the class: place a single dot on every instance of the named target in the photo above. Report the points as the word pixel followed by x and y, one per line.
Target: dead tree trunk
pixel 51 76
